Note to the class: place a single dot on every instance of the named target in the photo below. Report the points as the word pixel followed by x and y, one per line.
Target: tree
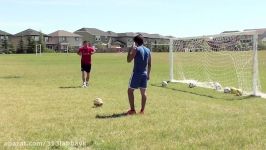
pixel 31 45
pixel 41 42
pixel 262 45
pixel 1 50
pixel 5 43
pixel 7 47
pixel 21 46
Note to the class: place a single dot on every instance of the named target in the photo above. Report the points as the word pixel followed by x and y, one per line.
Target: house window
pixel 97 38
pixel 46 39
pixel 36 38
pixel 76 38
pixel 2 37
pixel 62 39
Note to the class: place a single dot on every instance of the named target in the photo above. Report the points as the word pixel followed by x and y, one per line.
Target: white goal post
pixel 38 49
pixel 227 59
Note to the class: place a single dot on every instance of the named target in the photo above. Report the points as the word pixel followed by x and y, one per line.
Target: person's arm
pixel 149 67
pixel 93 51
pixel 79 52
pixel 131 53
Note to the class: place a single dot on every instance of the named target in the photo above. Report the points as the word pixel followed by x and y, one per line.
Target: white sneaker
pixel 87 83
pixel 84 85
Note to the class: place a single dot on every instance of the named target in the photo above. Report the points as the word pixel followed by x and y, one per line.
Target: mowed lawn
pixel 41 101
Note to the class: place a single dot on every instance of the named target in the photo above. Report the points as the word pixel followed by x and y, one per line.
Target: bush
pixel 262 46
pixel 48 50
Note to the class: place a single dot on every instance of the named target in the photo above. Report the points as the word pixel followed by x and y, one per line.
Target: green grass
pixel 41 101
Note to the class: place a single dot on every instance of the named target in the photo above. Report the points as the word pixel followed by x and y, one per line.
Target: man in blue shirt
pixel 140 74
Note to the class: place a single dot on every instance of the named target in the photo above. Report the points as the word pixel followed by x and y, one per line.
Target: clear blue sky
pixel 179 18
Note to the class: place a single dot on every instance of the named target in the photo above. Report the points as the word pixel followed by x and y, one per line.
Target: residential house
pixel 94 36
pixel 264 40
pixel 4 36
pixel 126 39
pixel 26 35
pixel 261 32
pixel 63 41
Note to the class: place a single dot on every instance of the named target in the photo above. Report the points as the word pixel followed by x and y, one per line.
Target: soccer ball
pixel 191 85
pixel 227 90
pixel 217 86
pixel 164 84
pixel 98 102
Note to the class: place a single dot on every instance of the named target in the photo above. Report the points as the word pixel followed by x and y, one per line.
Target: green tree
pixel 5 43
pixel 7 47
pixel 41 42
pixel 21 46
pixel 31 45
pixel 11 49
pixel 262 45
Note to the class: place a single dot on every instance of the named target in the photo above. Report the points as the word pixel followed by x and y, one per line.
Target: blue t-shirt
pixel 141 60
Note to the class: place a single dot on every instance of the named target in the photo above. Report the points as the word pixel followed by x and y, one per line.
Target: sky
pixel 179 18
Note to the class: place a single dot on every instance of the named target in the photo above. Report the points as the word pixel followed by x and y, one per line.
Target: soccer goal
pixel 38 49
pixel 217 62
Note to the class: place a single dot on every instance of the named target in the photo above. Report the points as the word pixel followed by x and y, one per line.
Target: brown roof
pixel 92 31
pixel 4 33
pixel 29 32
pixel 260 31
pixel 63 33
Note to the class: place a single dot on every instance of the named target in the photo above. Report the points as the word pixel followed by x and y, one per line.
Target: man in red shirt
pixel 85 52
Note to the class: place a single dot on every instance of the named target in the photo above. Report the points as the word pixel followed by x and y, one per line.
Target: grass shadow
pixel 206 95
pixel 116 115
pixel 10 77
pixel 69 87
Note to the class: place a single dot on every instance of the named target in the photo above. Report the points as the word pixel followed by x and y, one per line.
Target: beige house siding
pixel 16 39
pixel 86 36
pixel 60 43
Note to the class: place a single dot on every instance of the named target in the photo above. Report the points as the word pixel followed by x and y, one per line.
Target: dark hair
pixel 138 39
pixel 84 42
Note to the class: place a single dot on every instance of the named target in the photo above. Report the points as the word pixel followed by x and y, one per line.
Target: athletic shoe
pixel 131 112
pixel 84 86
pixel 141 111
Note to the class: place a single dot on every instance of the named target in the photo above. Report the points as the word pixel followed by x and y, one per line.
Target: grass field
pixel 41 101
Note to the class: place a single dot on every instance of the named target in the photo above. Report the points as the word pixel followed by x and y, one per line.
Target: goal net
pixel 217 61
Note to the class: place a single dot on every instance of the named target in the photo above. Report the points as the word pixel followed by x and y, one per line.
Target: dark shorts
pixel 86 67
pixel 138 81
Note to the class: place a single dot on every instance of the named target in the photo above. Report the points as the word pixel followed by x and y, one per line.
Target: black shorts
pixel 86 67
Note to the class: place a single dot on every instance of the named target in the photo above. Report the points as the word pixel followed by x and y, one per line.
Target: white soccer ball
pixel 192 85
pixel 217 86
pixel 98 102
pixel 164 83
pixel 227 90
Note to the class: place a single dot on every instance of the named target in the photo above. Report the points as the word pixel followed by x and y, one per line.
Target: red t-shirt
pixel 86 53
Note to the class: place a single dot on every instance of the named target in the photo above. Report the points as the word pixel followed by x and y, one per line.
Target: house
pixel 4 38
pixel 126 39
pixel 27 35
pixel 94 36
pixel 261 32
pixel 264 40
pixel 4 35
pixel 63 41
